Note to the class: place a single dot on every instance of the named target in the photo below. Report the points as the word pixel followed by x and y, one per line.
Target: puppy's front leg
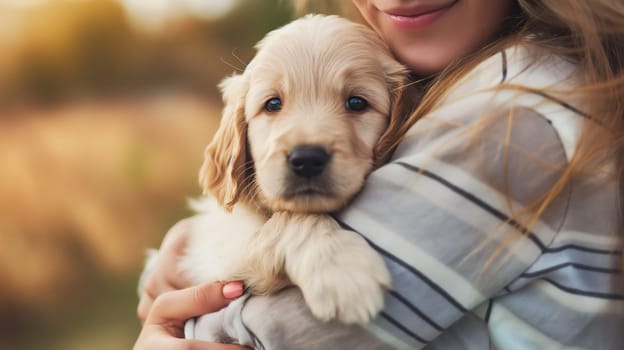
pixel 340 275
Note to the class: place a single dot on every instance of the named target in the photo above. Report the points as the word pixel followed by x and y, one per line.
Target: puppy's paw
pixel 350 288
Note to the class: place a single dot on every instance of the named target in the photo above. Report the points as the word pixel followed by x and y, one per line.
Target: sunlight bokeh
pixel 154 14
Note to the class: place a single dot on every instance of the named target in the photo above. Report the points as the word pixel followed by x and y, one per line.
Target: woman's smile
pixel 427 35
pixel 418 17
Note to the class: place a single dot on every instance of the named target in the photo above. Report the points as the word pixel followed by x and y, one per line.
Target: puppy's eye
pixel 356 104
pixel 273 105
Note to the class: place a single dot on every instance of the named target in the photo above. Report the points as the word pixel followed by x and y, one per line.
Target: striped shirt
pixel 444 215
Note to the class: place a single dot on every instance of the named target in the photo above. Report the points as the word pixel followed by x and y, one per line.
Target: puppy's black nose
pixel 308 160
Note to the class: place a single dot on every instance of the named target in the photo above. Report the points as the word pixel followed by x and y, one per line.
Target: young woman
pixel 500 212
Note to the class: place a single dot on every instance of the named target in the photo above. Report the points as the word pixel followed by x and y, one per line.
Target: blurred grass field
pixel 102 129
pixel 85 189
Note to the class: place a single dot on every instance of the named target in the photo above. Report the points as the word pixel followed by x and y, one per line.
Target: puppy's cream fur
pixel 268 227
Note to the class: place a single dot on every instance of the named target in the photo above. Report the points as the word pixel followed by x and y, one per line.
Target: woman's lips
pixel 418 19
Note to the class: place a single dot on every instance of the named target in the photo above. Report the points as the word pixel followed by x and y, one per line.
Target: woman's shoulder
pixel 525 79
pixel 520 65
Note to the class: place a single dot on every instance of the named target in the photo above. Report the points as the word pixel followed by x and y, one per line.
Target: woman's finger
pixel 163 328
pixel 171 249
pixel 164 275
pixel 152 289
pixel 180 305
pixel 202 345
pixel 145 304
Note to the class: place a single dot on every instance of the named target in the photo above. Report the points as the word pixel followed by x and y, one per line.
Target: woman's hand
pixel 165 276
pixel 164 324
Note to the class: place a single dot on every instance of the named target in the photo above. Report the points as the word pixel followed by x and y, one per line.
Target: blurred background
pixel 105 108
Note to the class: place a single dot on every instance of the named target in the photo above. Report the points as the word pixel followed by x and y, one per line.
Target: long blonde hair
pixel 589 33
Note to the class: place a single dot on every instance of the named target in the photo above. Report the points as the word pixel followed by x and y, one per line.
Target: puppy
pixel 302 127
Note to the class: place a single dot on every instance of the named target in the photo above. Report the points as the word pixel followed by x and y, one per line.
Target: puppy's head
pixel 301 125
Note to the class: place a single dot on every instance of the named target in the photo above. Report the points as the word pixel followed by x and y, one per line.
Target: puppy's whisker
pixel 407 85
pixel 250 187
pixel 245 167
pixel 249 181
pixel 238 69
pixel 238 58
pixel 253 196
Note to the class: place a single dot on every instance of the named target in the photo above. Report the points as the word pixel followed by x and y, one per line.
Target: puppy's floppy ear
pixel 224 170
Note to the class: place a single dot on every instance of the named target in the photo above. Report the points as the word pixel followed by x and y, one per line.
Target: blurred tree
pixel 87 186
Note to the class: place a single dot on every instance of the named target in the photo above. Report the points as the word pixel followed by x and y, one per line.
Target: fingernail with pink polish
pixel 232 290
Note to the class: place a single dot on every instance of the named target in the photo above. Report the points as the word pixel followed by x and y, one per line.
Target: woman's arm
pixel 284 321
pixel 450 214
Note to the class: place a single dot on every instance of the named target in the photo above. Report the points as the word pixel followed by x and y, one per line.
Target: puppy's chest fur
pixel 223 246
pixel 339 274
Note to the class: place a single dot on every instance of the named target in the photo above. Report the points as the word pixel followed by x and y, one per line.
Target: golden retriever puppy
pixel 302 127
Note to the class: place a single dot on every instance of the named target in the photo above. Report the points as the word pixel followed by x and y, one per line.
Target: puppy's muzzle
pixel 308 160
